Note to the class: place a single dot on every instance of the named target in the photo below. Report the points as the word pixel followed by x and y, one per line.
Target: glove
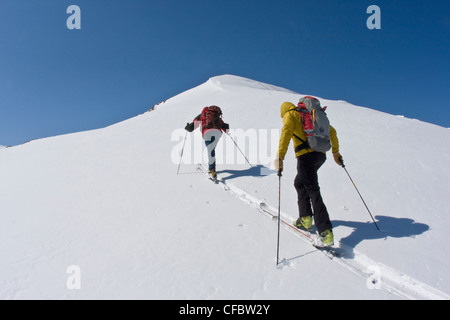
pixel 338 158
pixel 226 127
pixel 278 164
pixel 189 127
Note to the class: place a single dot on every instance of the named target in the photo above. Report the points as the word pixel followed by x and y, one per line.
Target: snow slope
pixel 110 205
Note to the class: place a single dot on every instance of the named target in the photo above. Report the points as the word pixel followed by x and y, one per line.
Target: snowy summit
pixel 103 214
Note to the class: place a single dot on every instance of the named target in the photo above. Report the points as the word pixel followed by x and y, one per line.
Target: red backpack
pixel 211 118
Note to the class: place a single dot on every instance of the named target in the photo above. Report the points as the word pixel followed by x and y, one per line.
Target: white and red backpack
pixel 315 124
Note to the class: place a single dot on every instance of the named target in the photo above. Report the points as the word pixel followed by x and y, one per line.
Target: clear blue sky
pixel 131 54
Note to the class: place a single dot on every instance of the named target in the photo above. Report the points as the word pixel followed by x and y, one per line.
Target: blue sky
pixel 131 54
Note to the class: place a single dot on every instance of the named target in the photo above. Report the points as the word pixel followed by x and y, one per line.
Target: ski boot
pixel 304 223
pixel 213 173
pixel 327 238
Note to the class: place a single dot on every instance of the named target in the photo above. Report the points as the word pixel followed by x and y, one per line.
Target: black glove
pixel 338 158
pixel 189 127
pixel 226 127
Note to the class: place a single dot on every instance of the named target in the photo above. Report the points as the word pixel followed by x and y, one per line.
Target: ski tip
pixel 332 251
pixel 265 206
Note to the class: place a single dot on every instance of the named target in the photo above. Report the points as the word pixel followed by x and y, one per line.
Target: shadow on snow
pixel 389 227
pixel 255 171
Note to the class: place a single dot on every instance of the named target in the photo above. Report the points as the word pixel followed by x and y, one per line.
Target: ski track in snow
pixel 377 275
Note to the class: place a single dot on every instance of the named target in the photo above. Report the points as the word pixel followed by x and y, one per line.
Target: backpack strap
pixel 303 145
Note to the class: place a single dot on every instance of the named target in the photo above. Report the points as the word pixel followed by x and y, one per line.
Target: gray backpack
pixel 315 124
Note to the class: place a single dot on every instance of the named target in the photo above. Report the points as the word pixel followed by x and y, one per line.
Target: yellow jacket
pixel 292 124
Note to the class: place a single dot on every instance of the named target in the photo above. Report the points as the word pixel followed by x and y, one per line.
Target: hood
pixel 287 106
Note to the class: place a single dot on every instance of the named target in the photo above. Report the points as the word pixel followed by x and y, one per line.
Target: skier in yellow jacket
pixel 308 163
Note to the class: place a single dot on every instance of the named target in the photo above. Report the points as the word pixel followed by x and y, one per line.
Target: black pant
pixel 212 138
pixel 308 190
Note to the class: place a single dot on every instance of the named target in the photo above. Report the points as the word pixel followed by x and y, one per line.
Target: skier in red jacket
pixel 212 127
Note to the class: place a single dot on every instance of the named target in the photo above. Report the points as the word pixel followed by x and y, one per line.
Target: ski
pixel 330 252
pixel 217 180
pixel 214 179
pixel 306 235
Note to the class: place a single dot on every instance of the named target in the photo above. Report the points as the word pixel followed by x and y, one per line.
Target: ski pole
pixel 279 216
pixel 182 150
pixel 343 166
pixel 239 149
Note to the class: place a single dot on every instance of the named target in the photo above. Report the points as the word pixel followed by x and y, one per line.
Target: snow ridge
pixel 230 82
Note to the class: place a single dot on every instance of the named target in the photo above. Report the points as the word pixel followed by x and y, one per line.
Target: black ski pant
pixel 212 138
pixel 307 185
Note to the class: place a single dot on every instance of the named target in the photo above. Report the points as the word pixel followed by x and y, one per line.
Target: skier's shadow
pixel 255 171
pixel 389 227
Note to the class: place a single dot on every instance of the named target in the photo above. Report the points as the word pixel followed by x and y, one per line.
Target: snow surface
pixel 110 203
